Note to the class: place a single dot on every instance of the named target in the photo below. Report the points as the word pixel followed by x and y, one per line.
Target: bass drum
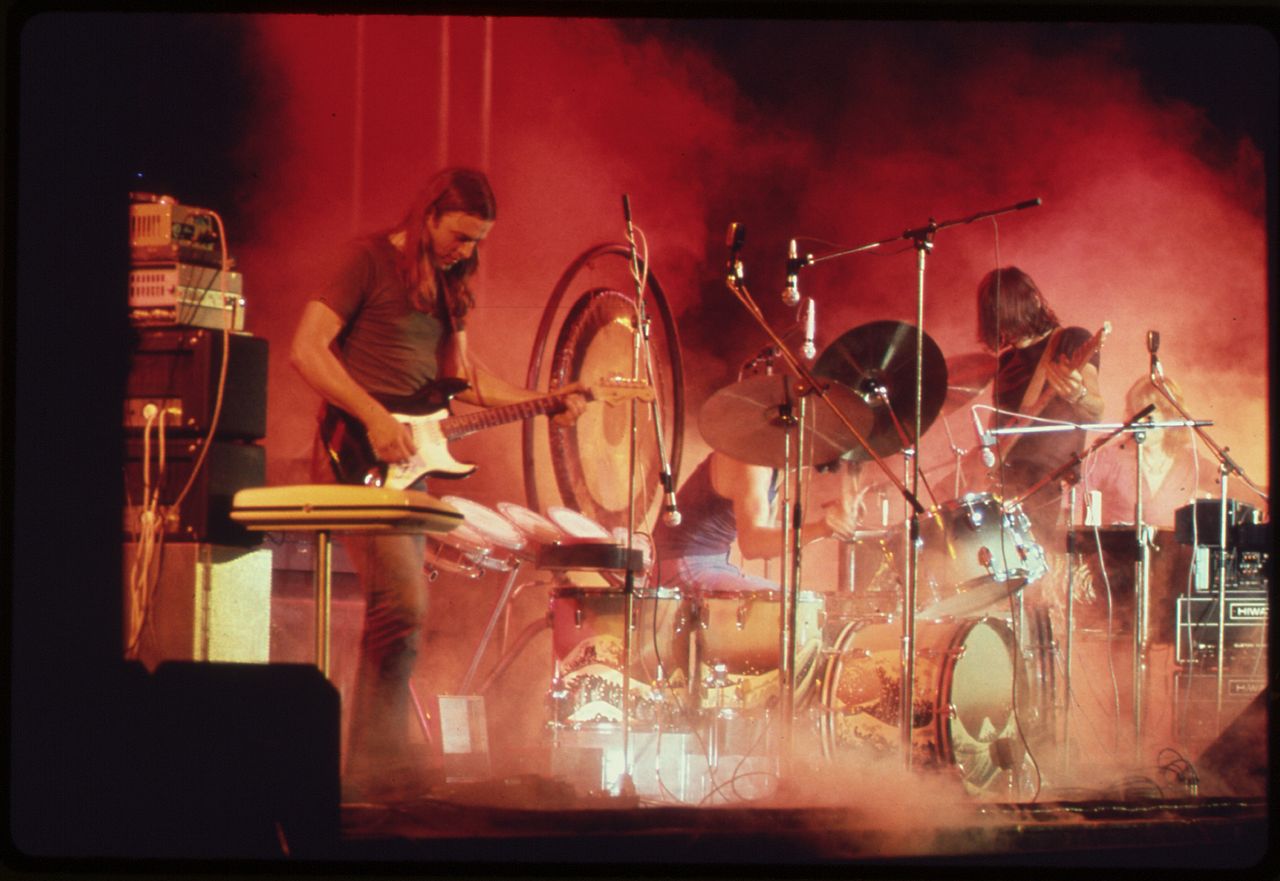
pixel 963 701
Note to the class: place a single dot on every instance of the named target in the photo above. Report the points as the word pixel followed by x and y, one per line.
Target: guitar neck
pixel 455 427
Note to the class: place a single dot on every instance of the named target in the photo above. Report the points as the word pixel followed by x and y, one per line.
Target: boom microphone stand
pixel 640 354
pixel 1226 467
pixel 922 240
pixel 736 284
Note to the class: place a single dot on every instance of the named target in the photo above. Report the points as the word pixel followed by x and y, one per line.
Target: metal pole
pixel 324 597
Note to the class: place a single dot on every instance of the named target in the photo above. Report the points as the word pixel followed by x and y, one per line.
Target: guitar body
pixel 351 455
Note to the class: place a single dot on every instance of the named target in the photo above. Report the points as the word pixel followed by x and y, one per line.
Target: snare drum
pixel 587 637
pixel 484 540
pixel 962 700
pixel 974 552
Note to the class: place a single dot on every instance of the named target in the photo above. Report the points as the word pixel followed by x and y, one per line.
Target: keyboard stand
pixel 325 509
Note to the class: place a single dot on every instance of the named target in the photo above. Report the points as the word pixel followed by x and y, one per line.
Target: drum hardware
pixel 502 535
pixel 782 419
pixel 922 239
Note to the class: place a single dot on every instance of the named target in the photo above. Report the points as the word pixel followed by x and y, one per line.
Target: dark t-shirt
pixel 708 525
pixel 387 345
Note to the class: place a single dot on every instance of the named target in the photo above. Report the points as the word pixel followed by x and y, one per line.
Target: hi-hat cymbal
pixel 968 376
pixel 879 356
pixel 748 422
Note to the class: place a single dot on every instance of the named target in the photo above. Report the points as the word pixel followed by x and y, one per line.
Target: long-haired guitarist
pixel 390 322
pixel 1038 374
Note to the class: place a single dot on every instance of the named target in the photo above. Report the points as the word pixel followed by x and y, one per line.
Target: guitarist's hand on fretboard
pixel 575 404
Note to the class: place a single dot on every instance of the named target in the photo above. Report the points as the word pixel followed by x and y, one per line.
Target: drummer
pixel 725 501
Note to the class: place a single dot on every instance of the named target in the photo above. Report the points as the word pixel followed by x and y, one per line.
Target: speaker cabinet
pixel 179 367
pixel 210 603
pixel 1236 763
pixel 205 512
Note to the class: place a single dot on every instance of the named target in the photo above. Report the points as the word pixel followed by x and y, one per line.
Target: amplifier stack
pixel 188 316
pixel 181 273
pixel 1229 584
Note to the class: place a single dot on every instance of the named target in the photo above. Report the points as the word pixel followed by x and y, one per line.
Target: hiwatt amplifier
pixel 1244 634
pixel 163 231
pixel 178 369
pixel 1244 569
pixel 205 512
pixel 1195 699
pixel 186 294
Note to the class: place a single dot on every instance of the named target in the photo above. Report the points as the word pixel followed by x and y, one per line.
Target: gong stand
pixel 1226 467
pixel 810 385
pixel 922 240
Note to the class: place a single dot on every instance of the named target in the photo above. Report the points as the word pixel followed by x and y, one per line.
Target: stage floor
pixel 553 828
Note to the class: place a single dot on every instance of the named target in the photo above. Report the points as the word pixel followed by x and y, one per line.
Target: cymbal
pixel 967 376
pixel 746 421
pixel 882 354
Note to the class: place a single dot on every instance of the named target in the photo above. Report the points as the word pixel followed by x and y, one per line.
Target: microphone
pixel 808 349
pixel 986 440
pixel 1153 343
pixel 791 293
pixel 733 239
pixel 670 513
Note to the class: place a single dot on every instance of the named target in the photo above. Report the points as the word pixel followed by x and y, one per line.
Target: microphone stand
pixel 1137 427
pixel 640 348
pixel 1226 467
pixel 811 385
pixel 922 240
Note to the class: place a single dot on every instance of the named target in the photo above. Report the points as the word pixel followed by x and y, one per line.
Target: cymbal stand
pixel 1226 467
pixel 922 239
pixel 811 385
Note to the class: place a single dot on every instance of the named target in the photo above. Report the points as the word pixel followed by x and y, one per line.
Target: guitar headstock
pixel 618 388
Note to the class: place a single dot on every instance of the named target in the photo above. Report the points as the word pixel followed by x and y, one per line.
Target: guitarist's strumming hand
pixel 391 439
pixel 1076 386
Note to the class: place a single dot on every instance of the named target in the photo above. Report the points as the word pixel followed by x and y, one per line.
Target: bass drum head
pixel 962 702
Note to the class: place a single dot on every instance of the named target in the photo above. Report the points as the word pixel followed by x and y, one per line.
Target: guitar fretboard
pixel 455 427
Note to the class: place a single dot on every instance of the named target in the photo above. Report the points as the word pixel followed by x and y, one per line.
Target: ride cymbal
pixel 878 361
pixel 749 420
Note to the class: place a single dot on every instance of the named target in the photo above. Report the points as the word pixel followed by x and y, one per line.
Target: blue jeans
pixel 710 573
pixel 394 583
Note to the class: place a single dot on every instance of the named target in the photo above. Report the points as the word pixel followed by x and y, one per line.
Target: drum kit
pixel 700 659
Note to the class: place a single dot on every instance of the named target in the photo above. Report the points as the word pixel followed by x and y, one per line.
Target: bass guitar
pixel 1035 407
pixel 426 412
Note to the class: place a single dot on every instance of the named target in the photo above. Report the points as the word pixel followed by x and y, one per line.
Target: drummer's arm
pixel 747 486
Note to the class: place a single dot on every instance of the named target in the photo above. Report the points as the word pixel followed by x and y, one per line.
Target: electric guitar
pixel 426 412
